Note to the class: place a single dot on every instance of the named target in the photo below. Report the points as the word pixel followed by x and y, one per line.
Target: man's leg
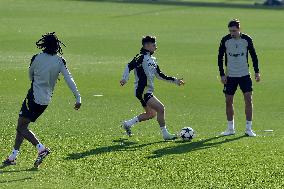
pixel 229 90
pixel 230 115
pixel 229 107
pixel 156 105
pixel 249 113
pixel 24 133
pixel 246 87
pixel 248 105
pixel 22 123
pixel 18 141
pixel 22 129
pixel 148 114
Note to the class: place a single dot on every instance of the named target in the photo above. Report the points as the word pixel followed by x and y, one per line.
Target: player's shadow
pixel 185 147
pixel 33 169
pixel 16 180
pixel 121 145
pixel 16 171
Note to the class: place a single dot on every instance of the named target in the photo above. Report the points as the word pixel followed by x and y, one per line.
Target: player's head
pixel 49 43
pixel 149 43
pixel 234 28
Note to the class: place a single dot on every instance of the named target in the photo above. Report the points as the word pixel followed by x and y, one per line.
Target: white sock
pixel 164 130
pixel 231 125
pixel 132 121
pixel 40 147
pixel 13 154
pixel 248 125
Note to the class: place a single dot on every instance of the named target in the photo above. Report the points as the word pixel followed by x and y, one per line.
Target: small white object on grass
pixel 268 130
pixel 98 95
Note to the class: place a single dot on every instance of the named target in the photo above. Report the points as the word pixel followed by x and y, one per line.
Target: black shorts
pixel 30 109
pixel 145 99
pixel 244 82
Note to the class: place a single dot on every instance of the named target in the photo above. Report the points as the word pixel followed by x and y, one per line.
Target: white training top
pixel 146 69
pixel 44 72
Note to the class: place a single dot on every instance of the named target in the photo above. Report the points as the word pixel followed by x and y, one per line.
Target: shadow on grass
pixel 16 180
pixel 122 145
pixel 17 171
pixel 185 147
pixel 193 4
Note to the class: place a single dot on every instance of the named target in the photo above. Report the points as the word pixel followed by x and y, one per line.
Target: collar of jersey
pixel 144 51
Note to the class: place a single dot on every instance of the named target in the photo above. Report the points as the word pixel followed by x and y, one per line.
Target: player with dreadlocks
pixel 43 72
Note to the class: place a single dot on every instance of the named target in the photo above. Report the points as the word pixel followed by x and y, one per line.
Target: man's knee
pixel 23 124
pixel 21 129
pixel 248 102
pixel 248 99
pixel 161 109
pixel 229 100
pixel 151 114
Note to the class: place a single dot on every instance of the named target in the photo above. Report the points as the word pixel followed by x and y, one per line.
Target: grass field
pixel 89 149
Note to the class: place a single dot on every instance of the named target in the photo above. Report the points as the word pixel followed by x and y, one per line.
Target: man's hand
pixel 123 82
pixel 257 77
pixel 77 105
pixel 180 82
pixel 224 79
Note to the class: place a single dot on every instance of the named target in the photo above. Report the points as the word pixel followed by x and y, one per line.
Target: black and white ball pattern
pixel 187 134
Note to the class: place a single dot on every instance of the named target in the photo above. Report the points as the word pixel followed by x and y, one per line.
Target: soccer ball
pixel 187 133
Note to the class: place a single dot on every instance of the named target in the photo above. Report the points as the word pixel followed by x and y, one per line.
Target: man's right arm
pixel 31 68
pixel 221 52
pixel 134 63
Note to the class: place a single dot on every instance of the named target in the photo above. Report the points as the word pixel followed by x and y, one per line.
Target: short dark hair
pixel 234 22
pixel 50 44
pixel 148 39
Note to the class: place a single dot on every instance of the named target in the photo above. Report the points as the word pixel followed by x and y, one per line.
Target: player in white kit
pixel 236 47
pixel 44 71
pixel 146 68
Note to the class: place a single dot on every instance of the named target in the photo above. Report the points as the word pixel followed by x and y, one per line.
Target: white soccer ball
pixel 187 134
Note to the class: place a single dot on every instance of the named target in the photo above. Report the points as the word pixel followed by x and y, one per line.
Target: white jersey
pixel 145 68
pixel 236 56
pixel 44 72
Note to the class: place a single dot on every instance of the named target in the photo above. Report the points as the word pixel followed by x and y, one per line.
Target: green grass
pixel 88 147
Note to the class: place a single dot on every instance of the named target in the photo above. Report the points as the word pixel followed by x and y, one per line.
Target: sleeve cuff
pixel 78 99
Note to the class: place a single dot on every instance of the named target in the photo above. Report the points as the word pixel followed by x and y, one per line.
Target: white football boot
pixel 228 132
pixel 127 128
pixel 169 136
pixel 250 133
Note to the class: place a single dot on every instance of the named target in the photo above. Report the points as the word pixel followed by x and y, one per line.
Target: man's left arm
pixel 71 84
pixel 162 76
pixel 253 55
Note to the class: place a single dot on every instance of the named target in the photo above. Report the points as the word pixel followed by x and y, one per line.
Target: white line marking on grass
pixel 268 130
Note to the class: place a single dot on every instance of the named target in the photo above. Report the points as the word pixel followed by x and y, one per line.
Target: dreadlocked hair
pixel 50 44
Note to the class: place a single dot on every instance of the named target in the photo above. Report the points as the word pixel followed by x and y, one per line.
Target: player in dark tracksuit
pixel 146 68
pixel 235 47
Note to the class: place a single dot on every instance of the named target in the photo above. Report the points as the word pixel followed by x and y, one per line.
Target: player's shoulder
pixel 61 59
pixel 139 58
pixel 226 38
pixel 246 37
pixel 34 58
